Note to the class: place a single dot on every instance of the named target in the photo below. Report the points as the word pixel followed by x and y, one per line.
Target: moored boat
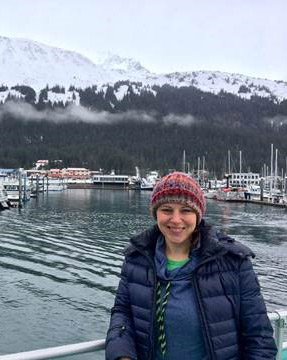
pixel 56 184
pixel 14 190
pixel 4 202
pixel 227 194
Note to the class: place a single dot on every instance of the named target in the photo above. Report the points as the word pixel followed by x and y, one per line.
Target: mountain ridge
pixel 30 63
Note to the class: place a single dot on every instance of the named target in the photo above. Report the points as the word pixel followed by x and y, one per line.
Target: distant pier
pixel 257 202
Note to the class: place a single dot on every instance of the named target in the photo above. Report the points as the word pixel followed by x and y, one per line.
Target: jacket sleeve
pixel 120 337
pixel 256 330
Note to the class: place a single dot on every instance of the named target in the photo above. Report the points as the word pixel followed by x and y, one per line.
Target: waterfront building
pixel 244 179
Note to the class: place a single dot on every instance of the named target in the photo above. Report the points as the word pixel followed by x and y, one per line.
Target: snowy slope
pixel 241 85
pixel 30 63
pixel 27 62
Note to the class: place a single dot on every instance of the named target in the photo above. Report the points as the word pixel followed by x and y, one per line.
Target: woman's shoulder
pixel 233 246
pixel 219 242
pixel 143 242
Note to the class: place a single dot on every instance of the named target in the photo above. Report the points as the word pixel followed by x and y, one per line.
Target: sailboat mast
pixel 271 169
pixel 203 169
pixel 276 169
pixel 183 162
pixel 240 166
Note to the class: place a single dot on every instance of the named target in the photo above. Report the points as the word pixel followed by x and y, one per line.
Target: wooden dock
pixel 257 202
pixel 97 186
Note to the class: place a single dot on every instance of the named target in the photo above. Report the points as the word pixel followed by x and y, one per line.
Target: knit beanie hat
pixel 178 187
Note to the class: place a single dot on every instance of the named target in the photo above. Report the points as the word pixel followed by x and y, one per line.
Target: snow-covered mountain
pixel 33 64
pixel 30 63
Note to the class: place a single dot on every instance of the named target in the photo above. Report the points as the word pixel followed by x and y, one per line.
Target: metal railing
pixel 58 351
pixel 278 319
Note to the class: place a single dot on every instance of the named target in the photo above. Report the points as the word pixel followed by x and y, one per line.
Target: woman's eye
pixel 166 210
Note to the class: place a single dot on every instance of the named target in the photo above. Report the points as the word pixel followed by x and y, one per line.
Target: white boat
pixel 149 181
pixel 227 194
pixel 44 183
pixel 210 193
pixel 135 181
pixel 146 185
pixel 56 184
pixel 254 192
pixel 79 181
pixel 12 188
pixel 143 183
pixel 4 203
pixel 274 196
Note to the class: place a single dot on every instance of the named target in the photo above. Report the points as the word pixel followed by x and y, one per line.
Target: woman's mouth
pixel 175 229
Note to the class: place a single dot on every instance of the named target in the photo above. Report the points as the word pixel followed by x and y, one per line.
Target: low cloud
pixel 183 120
pixel 277 120
pixel 74 113
pixel 26 112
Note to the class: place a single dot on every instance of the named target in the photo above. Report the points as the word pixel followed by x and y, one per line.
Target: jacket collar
pixel 144 242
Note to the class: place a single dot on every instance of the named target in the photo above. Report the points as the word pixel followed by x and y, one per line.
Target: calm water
pixel 60 258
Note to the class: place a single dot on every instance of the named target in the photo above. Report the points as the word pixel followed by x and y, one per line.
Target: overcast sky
pixel 239 36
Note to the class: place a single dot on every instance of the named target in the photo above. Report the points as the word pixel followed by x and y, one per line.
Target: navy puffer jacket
pixel 227 292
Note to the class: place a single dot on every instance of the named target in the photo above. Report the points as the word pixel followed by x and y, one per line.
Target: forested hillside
pixel 148 129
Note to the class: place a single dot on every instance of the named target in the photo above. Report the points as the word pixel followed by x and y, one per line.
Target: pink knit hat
pixel 178 187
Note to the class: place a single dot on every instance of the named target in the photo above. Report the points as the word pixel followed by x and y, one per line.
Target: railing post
pixel 280 324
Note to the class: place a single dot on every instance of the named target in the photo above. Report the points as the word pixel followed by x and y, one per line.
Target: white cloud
pixel 72 113
pixel 183 120
pixel 277 120
pixel 27 112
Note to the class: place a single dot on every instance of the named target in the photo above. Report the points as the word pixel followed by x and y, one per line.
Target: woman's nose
pixel 175 217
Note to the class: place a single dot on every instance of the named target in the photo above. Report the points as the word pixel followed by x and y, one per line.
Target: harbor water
pixel 61 255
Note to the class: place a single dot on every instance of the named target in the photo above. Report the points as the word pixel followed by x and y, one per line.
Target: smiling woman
pixel 177 223
pixel 187 291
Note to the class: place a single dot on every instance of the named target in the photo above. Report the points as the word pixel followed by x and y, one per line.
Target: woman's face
pixel 177 222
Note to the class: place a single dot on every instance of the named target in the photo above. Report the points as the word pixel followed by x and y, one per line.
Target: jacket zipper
pixel 151 352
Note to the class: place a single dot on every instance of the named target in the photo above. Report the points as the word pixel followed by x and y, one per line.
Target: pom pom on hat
pixel 178 187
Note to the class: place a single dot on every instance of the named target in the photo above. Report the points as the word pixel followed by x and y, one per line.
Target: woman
pixel 186 291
